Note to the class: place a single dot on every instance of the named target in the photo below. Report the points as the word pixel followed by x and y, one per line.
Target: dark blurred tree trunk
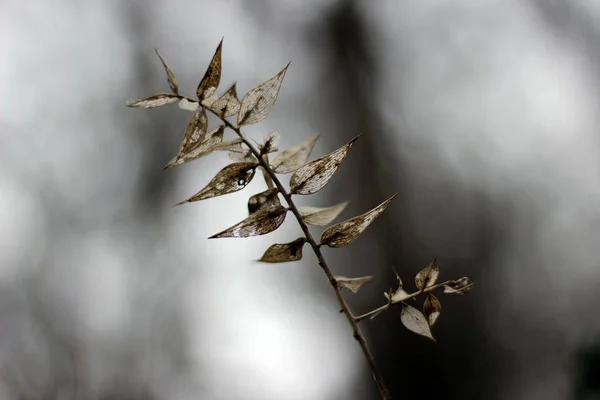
pixel 458 366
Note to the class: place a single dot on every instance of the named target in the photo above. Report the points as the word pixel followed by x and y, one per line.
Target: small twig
pixel 353 321
pixel 407 297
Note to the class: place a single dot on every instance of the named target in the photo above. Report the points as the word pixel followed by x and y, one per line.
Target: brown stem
pixel 358 335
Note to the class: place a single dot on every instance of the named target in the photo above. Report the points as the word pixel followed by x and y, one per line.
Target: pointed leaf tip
pixel 284 252
pixel 289 160
pixel 428 276
pixel 346 232
pixel 157 100
pixel 259 223
pixel 322 216
pixel 314 175
pixel 212 77
pixel 352 284
pixel 230 179
pixel 432 309
pixel 258 102
pixel 171 78
pixel 415 321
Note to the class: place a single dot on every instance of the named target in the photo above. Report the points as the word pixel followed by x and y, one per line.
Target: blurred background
pixel 482 114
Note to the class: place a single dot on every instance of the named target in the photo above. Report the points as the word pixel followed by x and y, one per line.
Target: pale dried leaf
pixel 209 101
pixel 284 252
pixel 210 82
pixel 289 160
pixel 195 132
pixel 415 321
pixel 270 143
pixel 321 216
pixel 399 295
pixel 157 100
pixel 352 284
pixel 188 104
pixel 230 179
pixel 257 103
pixel 228 104
pixel 432 309
pixel 244 155
pixel 259 223
pixel 428 276
pixel 171 78
pixel 460 286
pixel 236 145
pixel 205 147
pixel 267 199
pixel 313 176
pixel 346 232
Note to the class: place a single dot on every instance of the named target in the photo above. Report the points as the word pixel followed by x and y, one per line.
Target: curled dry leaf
pixel 270 143
pixel 188 104
pixel 313 176
pixel 428 275
pixel 267 199
pixel 228 104
pixel 460 286
pixel 230 179
pixel 171 78
pixel 432 309
pixel 352 284
pixel 415 321
pixel 157 100
pixel 210 82
pixel 399 295
pixel 200 149
pixel 289 160
pixel 257 103
pixel 344 233
pixel 284 252
pixel 321 216
pixel 259 223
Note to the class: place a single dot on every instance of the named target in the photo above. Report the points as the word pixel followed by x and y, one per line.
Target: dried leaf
pixel 461 286
pixel 344 233
pixel 228 104
pixel 313 176
pixel 233 145
pixel 171 78
pixel 157 100
pixel 259 223
pixel 267 199
pixel 432 309
pixel 284 252
pixel 291 159
pixel 244 155
pixel 230 179
pixel 399 295
pixel 188 104
pixel 270 143
pixel 257 103
pixel 210 82
pixel 195 131
pixel 201 149
pixel 321 216
pixel 415 321
pixel 352 284
pixel 428 275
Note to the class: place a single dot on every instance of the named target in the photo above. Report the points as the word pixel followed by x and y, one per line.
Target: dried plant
pixel 266 213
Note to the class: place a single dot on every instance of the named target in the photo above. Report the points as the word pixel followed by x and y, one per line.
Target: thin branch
pixel 407 297
pixel 358 335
